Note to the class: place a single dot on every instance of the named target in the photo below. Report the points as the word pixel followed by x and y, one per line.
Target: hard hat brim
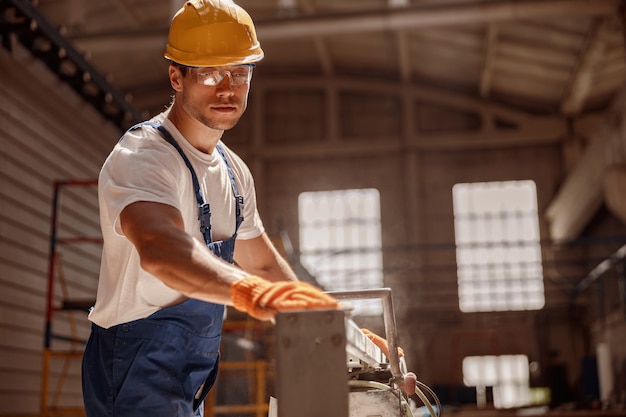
pixel 193 60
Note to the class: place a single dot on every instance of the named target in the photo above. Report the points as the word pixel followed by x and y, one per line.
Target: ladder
pixel 63 346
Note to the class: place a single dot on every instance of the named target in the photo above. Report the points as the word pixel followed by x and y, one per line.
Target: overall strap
pixel 233 184
pixel 204 210
pixel 170 139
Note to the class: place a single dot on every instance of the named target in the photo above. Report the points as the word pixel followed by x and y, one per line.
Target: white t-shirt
pixel 143 166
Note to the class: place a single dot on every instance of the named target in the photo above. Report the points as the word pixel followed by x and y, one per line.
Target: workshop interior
pixel 453 171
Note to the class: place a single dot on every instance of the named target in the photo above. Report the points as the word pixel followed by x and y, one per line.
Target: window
pixel 507 374
pixel 498 251
pixel 340 241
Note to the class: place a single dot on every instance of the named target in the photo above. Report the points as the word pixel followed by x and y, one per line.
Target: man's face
pixel 216 96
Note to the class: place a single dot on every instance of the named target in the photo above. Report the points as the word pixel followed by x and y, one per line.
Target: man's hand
pixel 262 299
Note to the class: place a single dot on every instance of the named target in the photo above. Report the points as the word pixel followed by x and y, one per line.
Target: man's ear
pixel 176 77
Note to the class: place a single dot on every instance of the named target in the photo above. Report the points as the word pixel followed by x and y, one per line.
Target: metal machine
pixel 327 367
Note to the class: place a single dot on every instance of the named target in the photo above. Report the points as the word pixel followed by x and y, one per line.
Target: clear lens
pixel 212 76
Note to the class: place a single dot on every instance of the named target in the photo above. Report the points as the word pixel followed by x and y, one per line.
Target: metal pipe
pixel 388 316
pixel 596 273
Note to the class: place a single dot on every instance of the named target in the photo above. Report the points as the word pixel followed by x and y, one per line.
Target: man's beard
pixel 212 122
pixel 223 125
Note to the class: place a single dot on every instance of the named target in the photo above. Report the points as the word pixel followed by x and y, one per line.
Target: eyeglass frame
pixel 221 74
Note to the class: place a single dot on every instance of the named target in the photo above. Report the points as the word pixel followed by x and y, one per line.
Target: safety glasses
pixel 212 76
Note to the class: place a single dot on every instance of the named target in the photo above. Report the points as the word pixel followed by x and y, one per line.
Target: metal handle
pixel 388 316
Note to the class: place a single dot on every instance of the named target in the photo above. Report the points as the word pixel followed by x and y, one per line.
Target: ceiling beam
pixel 529 129
pixel 581 82
pixel 393 19
pixel 581 195
pixel 127 12
pixel 489 55
pixel 324 56
pixel 404 56
pixel 415 17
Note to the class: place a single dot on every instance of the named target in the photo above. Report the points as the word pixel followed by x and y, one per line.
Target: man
pixel 173 202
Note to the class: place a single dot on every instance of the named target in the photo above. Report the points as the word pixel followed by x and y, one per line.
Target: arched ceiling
pixel 552 57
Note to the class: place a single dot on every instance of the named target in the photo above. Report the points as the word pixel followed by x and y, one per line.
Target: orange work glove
pixel 381 343
pixel 262 299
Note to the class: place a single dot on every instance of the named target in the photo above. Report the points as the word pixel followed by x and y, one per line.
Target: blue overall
pixel 163 365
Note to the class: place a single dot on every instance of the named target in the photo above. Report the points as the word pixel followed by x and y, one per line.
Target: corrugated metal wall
pixel 47 134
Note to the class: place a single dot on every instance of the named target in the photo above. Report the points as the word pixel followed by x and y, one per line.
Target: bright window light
pixel 498 250
pixel 340 241
pixel 507 374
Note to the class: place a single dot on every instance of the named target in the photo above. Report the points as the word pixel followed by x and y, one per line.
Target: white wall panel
pixel 48 133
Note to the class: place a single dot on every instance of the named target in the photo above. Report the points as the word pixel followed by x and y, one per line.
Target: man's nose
pixel 226 83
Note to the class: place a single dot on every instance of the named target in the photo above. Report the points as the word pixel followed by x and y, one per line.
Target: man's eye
pixel 207 72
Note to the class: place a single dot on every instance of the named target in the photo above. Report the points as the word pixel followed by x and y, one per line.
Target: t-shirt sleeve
pixel 136 172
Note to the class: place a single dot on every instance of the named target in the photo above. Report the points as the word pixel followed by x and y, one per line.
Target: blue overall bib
pixel 165 364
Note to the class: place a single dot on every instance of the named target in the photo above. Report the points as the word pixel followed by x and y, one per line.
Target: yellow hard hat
pixel 211 33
